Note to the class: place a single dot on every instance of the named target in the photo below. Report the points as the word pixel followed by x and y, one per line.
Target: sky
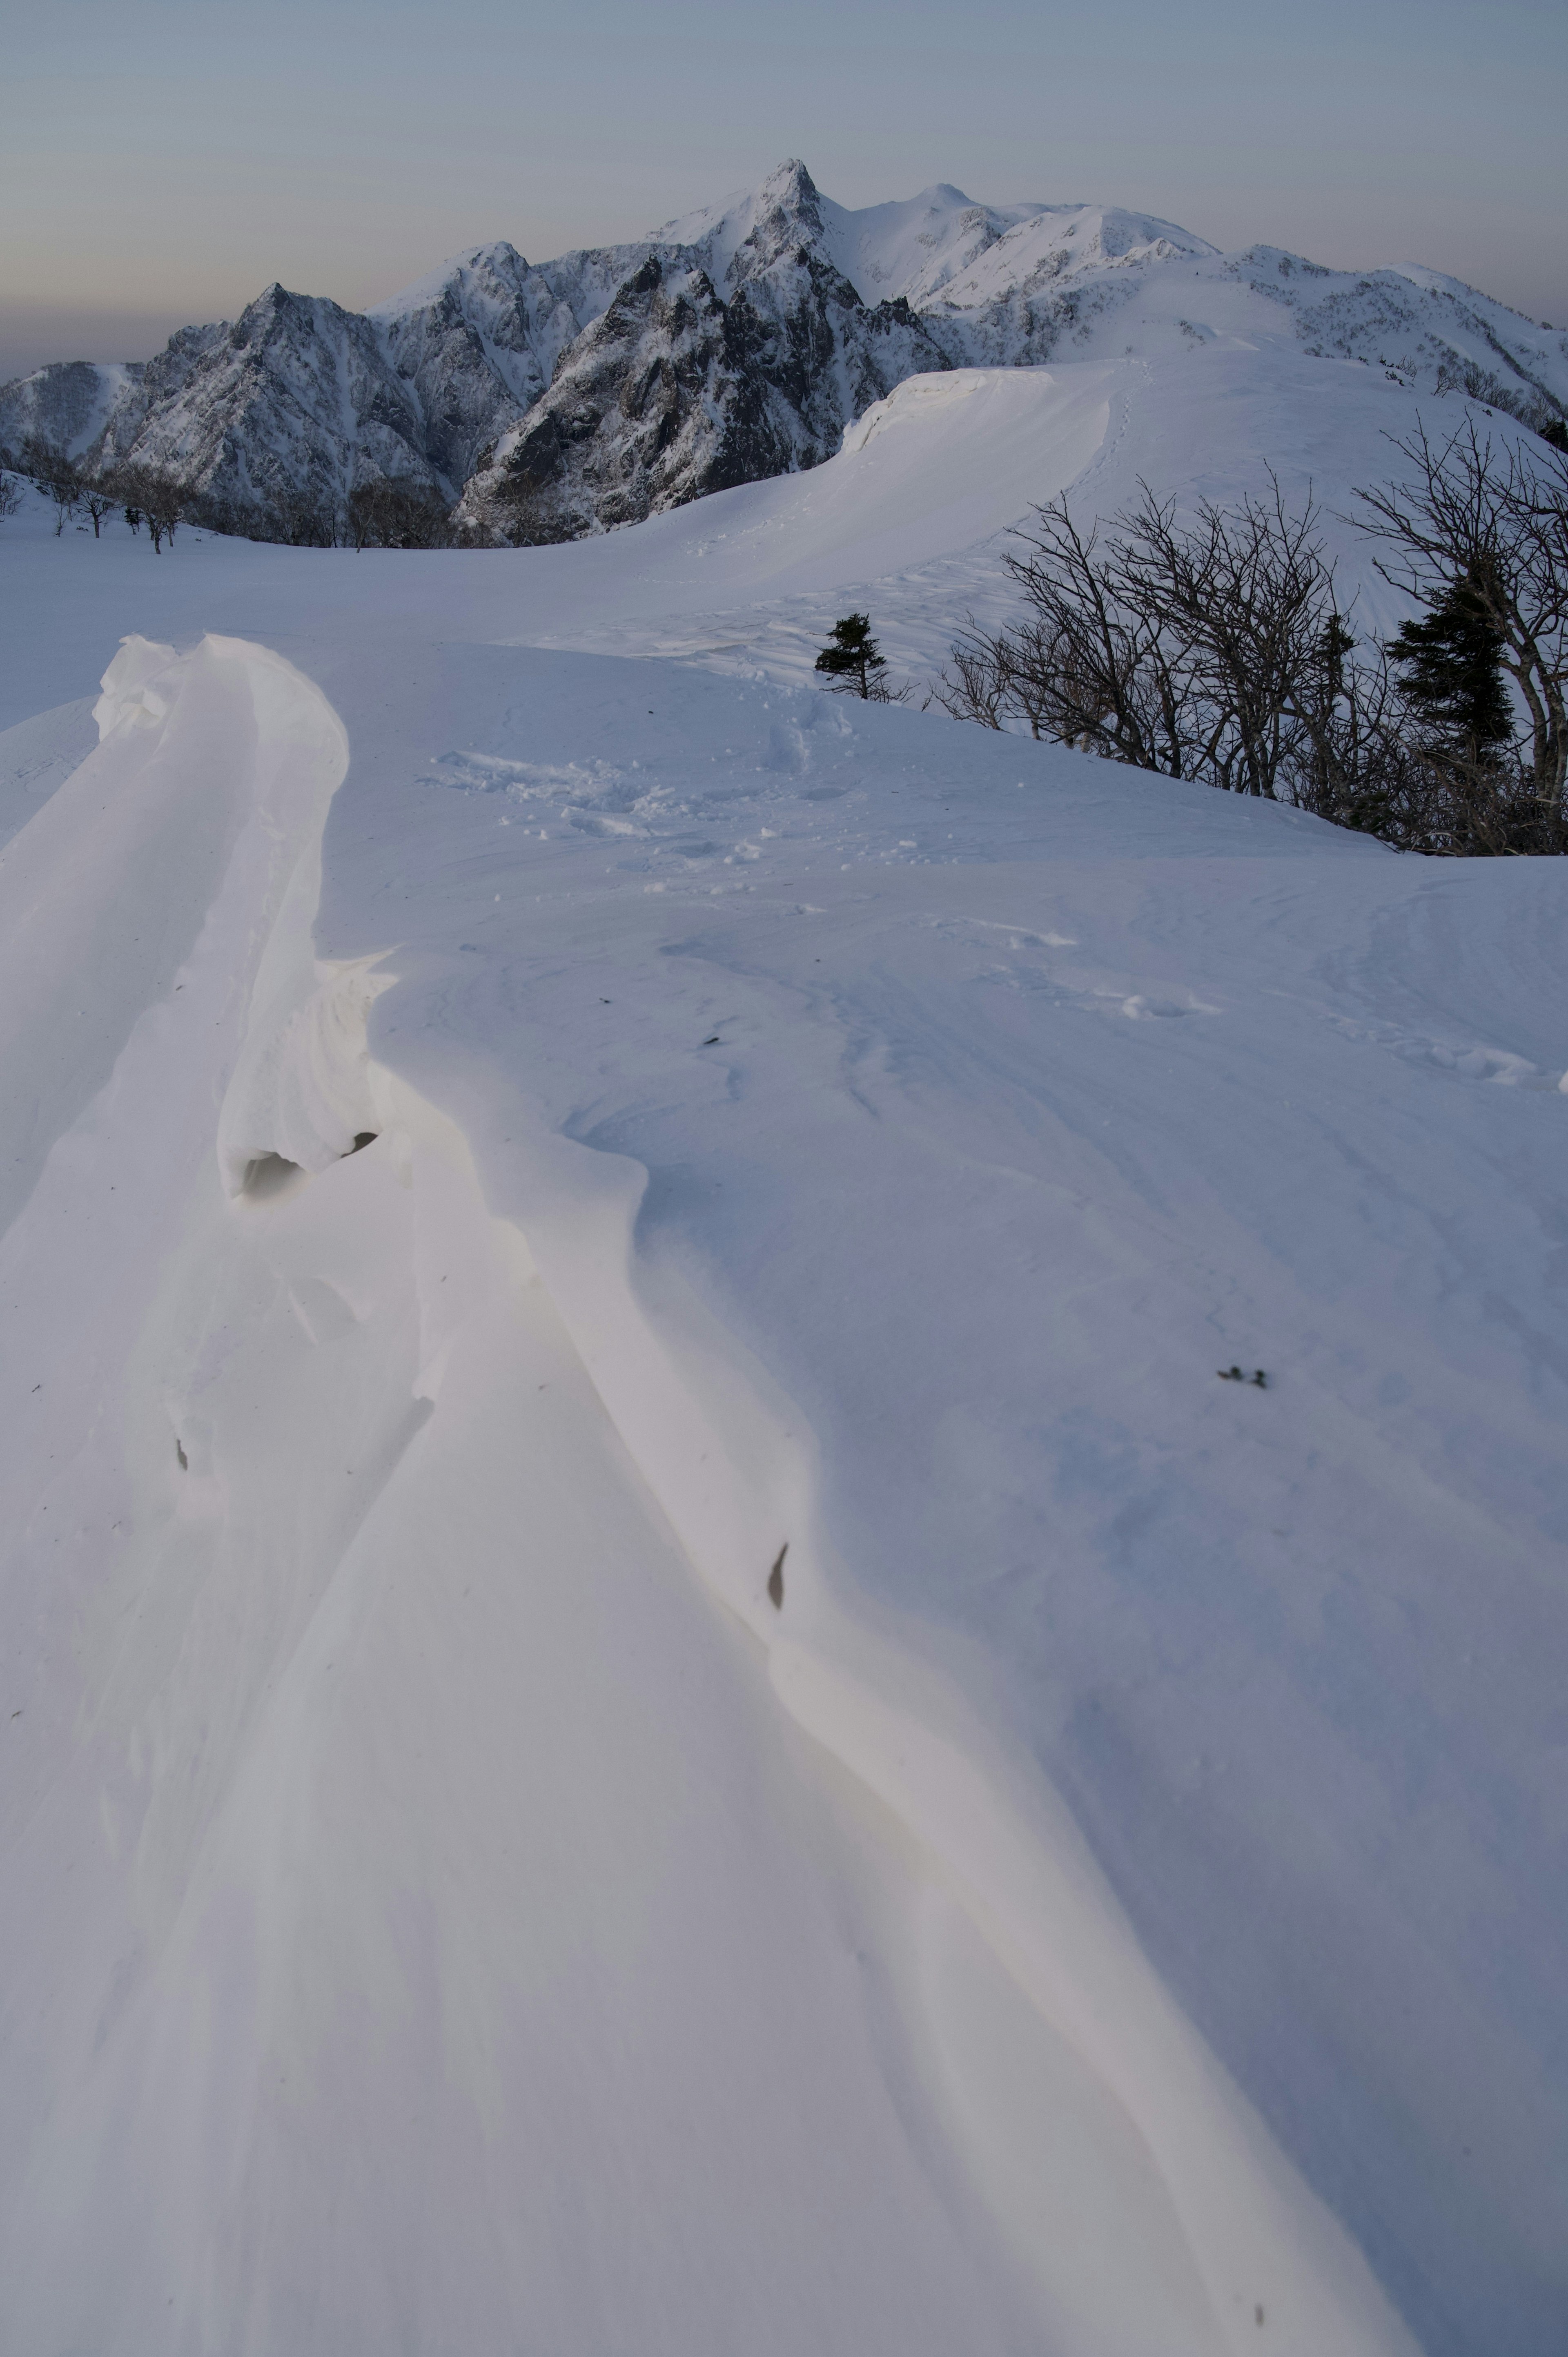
pixel 162 163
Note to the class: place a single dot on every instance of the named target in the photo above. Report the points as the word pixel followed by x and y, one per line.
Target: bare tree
pixel 972 684
pixel 1196 650
pixel 1083 667
pixel 155 498
pixel 303 518
pixel 1352 763
pixel 10 495
pixel 397 515
pixel 52 471
pixel 1217 651
pixel 98 499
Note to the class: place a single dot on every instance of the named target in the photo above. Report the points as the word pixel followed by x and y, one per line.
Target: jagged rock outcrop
pixel 296 400
pixel 554 399
pixel 478 341
pixel 618 433
pixel 676 391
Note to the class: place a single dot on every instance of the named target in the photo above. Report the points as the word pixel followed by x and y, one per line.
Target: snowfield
pixel 654 1698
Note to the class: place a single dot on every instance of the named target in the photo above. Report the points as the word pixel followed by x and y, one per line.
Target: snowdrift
pixel 656 1697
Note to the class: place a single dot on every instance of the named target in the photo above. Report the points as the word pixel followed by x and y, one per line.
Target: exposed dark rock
pixel 575 395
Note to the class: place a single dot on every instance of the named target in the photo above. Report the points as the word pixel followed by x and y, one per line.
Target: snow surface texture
pixel 731 345
pixel 1105 1894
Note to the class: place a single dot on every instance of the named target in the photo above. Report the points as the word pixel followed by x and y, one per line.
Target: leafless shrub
pixel 1217 651
pixel 1201 650
pixel 303 518
pixel 972 684
pixel 155 498
pixel 98 499
pixel 53 473
pixel 1531 403
pixel 393 515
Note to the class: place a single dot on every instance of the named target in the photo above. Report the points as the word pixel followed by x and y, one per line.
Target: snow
pixel 68 402
pixel 489 357
pixel 471 272
pixel 914 506
pixel 1111 1901
pixel 919 247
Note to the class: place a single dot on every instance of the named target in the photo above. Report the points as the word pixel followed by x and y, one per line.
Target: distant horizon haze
pixel 160 167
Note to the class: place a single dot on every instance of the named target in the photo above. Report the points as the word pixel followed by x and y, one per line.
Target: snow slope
pixel 1110 1901
pixel 909 518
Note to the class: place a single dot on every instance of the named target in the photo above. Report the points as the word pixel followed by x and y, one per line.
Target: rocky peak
pixel 735 342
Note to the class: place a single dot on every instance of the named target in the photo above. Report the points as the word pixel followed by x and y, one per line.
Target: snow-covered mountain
pixel 299 397
pixel 732 344
pixel 728 357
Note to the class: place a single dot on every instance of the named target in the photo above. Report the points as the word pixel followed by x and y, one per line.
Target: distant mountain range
pixel 547 401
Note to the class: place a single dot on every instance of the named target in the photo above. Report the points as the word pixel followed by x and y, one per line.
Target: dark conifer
pixel 852 660
pixel 1453 673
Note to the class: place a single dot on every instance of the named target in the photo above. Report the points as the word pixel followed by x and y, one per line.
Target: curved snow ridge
pixel 954 459
pixel 207 786
pixel 731 1466
pixel 301 1094
pixel 298 1093
pixel 920 398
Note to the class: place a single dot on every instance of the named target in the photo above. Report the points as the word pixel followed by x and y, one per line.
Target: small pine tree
pixel 1453 673
pixel 852 660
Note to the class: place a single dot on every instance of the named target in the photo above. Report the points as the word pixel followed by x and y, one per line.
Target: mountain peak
pixel 790 182
pixel 498 262
pixel 300 395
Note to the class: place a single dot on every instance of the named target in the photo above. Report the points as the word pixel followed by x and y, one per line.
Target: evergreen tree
pixel 1453 673
pixel 852 660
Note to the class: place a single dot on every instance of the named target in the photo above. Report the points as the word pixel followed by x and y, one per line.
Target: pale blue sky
pixel 163 162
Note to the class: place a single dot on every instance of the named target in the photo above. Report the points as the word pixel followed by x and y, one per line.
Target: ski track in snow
pixel 409 1855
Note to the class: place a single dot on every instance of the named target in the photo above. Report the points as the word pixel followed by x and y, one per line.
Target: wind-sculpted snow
pixel 993 1102
pixel 107 887
pixel 659 1698
pixel 334 1384
pixel 733 344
